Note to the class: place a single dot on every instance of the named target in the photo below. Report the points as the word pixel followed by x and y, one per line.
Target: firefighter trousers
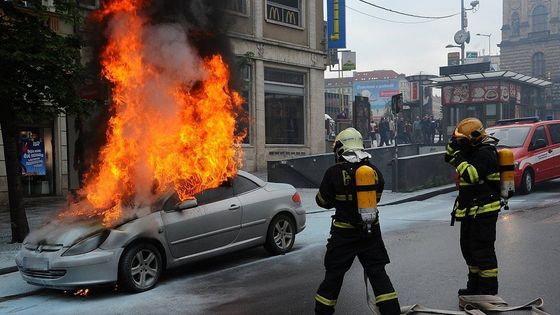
pixel 478 236
pixel 342 247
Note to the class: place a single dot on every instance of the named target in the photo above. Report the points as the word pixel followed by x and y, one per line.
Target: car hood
pixel 63 233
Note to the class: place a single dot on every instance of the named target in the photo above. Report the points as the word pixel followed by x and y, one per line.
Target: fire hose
pixel 471 305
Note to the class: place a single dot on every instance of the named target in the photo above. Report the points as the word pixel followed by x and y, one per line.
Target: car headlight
pixel 87 244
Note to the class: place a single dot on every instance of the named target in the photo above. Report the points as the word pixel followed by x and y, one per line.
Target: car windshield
pixel 510 137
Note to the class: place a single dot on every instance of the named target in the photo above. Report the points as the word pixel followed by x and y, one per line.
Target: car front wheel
pixel 527 182
pixel 140 267
pixel 281 235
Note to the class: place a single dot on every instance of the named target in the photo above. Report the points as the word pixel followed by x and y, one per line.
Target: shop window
pixel 284 107
pixel 540 19
pixel 237 6
pixel 91 4
pixel 286 12
pixel 36 160
pixel 515 24
pixel 554 130
pixel 538 65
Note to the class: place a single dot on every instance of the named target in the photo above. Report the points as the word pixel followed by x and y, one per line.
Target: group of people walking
pixel 422 131
pixel 353 186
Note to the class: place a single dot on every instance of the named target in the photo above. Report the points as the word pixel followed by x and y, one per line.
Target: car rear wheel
pixel 281 235
pixel 140 267
pixel 527 182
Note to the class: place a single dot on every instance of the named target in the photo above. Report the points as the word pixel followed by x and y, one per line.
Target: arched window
pixel 540 19
pixel 538 65
pixel 515 24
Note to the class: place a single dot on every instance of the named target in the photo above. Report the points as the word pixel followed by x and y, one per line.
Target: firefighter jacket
pixel 479 180
pixel 338 190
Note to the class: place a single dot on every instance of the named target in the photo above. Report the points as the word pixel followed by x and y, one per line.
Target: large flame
pixel 173 117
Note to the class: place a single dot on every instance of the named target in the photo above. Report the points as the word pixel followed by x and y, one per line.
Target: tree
pixel 40 72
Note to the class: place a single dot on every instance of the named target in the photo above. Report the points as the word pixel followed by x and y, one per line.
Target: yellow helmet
pixel 348 140
pixel 470 129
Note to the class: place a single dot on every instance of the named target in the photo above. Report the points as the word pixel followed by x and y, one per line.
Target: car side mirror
pixel 540 143
pixel 187 204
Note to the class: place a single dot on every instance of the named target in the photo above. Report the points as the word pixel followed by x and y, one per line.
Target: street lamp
pixel 489 44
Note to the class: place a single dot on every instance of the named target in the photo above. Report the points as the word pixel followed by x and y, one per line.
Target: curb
pixel 6 270
pixel 420 197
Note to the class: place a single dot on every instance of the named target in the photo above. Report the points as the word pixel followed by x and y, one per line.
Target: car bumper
pixel 300 218
pixel 52 270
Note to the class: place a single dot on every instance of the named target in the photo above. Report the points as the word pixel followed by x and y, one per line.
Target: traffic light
pixel 396 103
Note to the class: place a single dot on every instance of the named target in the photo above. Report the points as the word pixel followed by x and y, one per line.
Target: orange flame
pixel 172 127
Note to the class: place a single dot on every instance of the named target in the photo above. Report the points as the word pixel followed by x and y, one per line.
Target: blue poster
pixel 336 28
pixel 32 157
pixel 378 92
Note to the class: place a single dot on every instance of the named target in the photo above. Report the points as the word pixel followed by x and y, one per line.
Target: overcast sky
pixel 412 48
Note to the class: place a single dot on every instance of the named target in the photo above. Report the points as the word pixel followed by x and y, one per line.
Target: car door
pixel 538 154
pixel 213 223
pixel 554 149
pixel 253 201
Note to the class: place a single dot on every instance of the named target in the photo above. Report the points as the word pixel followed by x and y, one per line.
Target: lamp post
pixel 489 44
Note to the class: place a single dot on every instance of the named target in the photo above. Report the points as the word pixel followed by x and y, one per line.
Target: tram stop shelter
pixel 490 96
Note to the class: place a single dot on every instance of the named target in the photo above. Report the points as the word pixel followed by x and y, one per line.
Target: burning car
pixel 242 212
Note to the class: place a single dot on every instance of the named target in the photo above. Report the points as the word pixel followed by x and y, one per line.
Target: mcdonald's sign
pixel 282 14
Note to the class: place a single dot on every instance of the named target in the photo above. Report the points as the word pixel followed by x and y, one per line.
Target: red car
pixel 536 149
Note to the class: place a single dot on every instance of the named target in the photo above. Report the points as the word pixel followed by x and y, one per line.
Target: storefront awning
pixel 508 75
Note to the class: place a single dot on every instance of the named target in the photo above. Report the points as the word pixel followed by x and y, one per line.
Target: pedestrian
pixel 425 125
pixel 474 157
pixel 417 130
pixel 391 131
pixel 384 131
pixel 372 132
pixel 407 132
pixel 354 231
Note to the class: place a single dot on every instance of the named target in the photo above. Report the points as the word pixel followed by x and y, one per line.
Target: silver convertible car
pixel 242 213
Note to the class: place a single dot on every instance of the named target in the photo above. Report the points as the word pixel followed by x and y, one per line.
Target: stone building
pixel 283 44
pixel 531 46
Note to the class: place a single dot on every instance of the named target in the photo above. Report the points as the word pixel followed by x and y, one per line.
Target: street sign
pixel 348 60
pixel 471 57
pixel 336 29
pixel 453 59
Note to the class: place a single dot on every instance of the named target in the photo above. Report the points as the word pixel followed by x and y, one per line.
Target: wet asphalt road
pixel 426 268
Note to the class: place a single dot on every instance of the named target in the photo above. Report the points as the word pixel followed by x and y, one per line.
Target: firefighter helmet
pixel 348 140
pixel 470 129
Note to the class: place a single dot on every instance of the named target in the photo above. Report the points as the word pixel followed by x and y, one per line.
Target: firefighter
pixel 474 156
pixel 353 234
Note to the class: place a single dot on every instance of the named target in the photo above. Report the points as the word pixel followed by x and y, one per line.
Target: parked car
pixel 536 148
pixel 241 213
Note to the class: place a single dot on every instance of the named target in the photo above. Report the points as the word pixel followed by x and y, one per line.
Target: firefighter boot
pixel 390 307
pixel 488 286
pixel 472 285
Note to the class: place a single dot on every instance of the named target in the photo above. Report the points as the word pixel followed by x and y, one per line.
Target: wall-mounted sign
pixel 336 17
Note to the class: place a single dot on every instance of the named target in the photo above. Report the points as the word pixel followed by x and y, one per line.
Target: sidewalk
pixel 41 210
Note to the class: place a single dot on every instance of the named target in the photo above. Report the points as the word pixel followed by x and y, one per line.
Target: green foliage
pixel 40 71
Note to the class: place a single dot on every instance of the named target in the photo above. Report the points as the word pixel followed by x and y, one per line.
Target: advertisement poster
pixel 348 60
pixel 481 92
pixel 32 156
pixel 378 92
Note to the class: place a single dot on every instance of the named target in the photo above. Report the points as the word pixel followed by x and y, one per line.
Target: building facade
pixel 531 45
pixel 46 164
pixel 283 43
